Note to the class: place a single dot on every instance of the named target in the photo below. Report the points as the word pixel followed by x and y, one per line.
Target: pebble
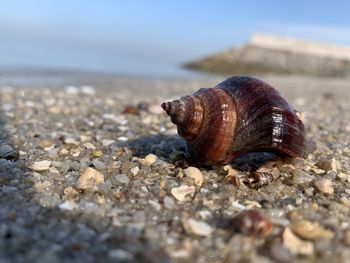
pixel 149 159
pixel 54 170
pixel 310 230
pixel 120 119
pixel 253 223
pixel 194 173
pixel 41 165
pixel 324 185
pixel 44 144
pixel 280 253
pixel 345 201
pixel 296 245
pixel 96 153
pixel 99 164
pixel 205 214
pixel 90 179
pixel 120 254
pixel 71 141
pixel 168 202
pixel 181 192
pixel 196 227
pixel 106 143
pixel 343 176
pixel 87 90
pixel 122 178
pixel 72 90
pixel 329 164
pixel 132 110
pixel 6 189
pixel 68 205
pixel 90 146
pixel 155 204
pixel 135 170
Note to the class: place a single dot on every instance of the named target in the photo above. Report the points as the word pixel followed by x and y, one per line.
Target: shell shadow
pixel 164 146
pixel 161 145
pixel 252 161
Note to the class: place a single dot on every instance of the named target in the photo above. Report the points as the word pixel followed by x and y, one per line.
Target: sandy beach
pixel 92 170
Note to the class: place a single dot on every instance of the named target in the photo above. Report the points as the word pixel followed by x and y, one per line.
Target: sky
pixel 153 36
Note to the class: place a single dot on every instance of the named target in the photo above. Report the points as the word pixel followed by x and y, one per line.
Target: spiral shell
pixel 241 114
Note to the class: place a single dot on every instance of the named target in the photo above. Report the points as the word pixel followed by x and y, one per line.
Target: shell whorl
pixel 241 114
pixel 187 114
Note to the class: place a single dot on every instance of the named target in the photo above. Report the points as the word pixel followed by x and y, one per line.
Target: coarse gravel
pixel 96 173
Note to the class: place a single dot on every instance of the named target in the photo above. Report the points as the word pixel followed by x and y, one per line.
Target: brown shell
pixel 241 114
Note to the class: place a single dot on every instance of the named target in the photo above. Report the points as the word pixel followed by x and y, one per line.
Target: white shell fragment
pixel 296 245
pixel 41 165
pixel 149 159
pixel 197 227
pixel 182 191
pixel 195 174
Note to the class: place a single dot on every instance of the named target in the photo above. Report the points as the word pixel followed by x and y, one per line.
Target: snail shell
pixel 239 115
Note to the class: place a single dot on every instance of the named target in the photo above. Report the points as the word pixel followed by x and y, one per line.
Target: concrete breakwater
pixel 271 54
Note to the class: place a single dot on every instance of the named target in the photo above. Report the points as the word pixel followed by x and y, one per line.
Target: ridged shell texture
pixel 241 114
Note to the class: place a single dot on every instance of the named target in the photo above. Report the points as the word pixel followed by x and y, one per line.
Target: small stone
pixel 155 204
pixel 122 178
pixel 53 170
pixel 89 145
pixel 71 193
pixel 41 165
pixel 120 255
pixel 6 189
pixel 135 170
pixel 311 230
pixel 132 110
pixel 252 204
pixel 296 245
pixel 106 143
pixel 71 141
pixel 168 202
pixel 344 176
pixel 68 205
pixel 205 214
pixel 87 90
pixel 317 170
pixel 345 201
pixel 149 159
pixel 195 174
pixel 99 164
pixel 45 144
pixel 324 185
pixel 253 223
pixel 120 119
pixel 90 179
pixel 71 90
pixel 329 164
pixel 96 153
pixel 123 138
pixel 182 191
pixel 280 253
pixel 196 227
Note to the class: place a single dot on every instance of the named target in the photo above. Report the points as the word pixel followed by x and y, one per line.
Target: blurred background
pixel 156 38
